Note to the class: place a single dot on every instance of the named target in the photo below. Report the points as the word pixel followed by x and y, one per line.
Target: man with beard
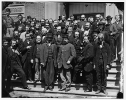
pixel 18 40
pixel 86 63
pixel 102 59
pixel 16 63
pixel 27 29
pixel 25 50
pixel 78 47
pixel 42 23
pixel 65 56
pixel 48 61
pixel 87 31
pixel 70 34
pixel 82 23
pixel 37 30
pixel 35 57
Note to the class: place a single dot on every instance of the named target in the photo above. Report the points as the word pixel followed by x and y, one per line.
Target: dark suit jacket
pixel 66 52
pixel 24 50
pixel 44 54
pixel 5 60
pixel 14 59
pixel 106 53
pixel 88 55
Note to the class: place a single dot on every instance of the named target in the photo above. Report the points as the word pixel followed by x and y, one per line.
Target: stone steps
pixel 71 92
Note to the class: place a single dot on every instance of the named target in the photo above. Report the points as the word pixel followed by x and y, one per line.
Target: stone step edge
pixel 63 92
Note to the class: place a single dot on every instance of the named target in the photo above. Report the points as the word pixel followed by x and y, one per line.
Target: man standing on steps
pixel 48 61
pixel 66 54
pixel 102 59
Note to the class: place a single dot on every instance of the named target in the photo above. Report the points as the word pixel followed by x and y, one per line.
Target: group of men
pixel 39 50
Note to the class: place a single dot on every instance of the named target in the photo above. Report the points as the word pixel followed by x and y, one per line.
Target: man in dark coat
pixel 48 61
pixel 35 57
pixel 25 51
pixel 19 22
pixel 16 63
pixel 86 63
pixel 65 56
pixel 102 60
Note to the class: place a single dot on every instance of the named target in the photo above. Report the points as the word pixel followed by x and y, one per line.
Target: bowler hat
pixel 108 17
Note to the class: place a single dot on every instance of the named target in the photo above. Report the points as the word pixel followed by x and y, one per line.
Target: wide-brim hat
pixel 49 35
pixel 64 35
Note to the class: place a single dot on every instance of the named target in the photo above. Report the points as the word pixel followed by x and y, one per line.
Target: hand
pixel 94 66
pixel 111 33
pixel 28 47
pixel 68 62
pixel 107 67
pixel 31 60
pixel 17 52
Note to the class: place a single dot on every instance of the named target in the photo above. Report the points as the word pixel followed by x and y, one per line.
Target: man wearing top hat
pixel 65 56
pixel 48 61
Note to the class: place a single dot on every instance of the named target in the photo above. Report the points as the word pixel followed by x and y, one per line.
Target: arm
pixel 73 52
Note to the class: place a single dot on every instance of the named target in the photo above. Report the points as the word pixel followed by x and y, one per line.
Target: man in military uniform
pixel 9 23
pixel 66 54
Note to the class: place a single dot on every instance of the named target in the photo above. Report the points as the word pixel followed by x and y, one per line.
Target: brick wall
pixel 36 9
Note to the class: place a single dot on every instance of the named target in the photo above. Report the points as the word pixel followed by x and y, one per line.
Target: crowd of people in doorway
pixel 39 50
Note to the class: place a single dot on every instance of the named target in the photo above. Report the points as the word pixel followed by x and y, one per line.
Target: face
pixel 87 25
pixel 70 29
pixel 19 28
pixel 38 39
pixel 16 33
pixel 32 23
pixel 91 19
pixel 100 38
pixel 58 29
pixel 95 36
pixel 109 20
pixel 13 43
pixel 37 26
pixel 5 43
pixel 63 17
pixel 20 17
pixel 27 28
pixel 76 34
pixel 85 39
pixel 65 39
pixel 72 18
pixel 50 21
pixel 117 18
pixel 97 17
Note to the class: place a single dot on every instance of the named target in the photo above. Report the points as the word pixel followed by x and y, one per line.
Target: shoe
pixel 46 87
pixel 67 89
pixel 27 88
pixel 104 91
pixel 88 90
pixel 97 92
pixel 62 89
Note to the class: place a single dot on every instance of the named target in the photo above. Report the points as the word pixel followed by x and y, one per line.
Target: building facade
pixel 53 10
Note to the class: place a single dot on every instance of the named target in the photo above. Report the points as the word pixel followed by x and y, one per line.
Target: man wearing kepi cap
pixel 66 54
pixel 111 32
pixel 48 61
